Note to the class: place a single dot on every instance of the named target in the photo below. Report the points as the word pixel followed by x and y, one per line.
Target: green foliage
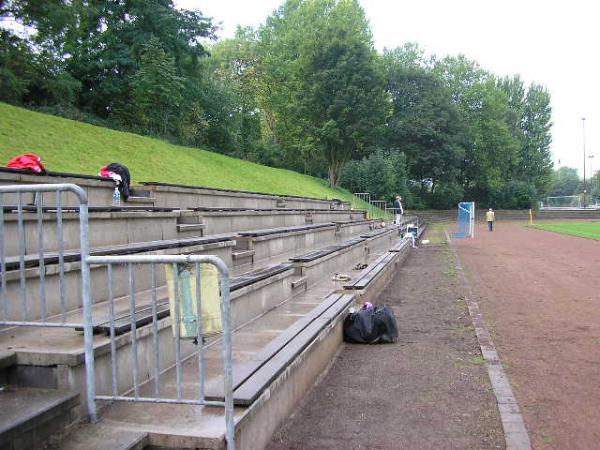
pixel 595 186
pixel 536 159
pixel 306 91
pixel 565 181
pixel 446 195
pixel 516 195
pixel 326 90
pixel 157 90
pixel 382 174
pixel 374 174
pixel 425 125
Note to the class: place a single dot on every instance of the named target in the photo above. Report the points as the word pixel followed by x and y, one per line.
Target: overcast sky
pixel 555 43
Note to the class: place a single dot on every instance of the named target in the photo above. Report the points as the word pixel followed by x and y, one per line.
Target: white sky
pixel 552 42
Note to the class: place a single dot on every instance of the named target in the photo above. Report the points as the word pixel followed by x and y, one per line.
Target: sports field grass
pixel 590 230
pixel 70 146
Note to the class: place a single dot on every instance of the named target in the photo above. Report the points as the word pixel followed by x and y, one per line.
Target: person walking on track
pixel 490 219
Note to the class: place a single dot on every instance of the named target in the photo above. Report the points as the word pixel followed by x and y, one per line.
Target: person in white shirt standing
pixel 398 210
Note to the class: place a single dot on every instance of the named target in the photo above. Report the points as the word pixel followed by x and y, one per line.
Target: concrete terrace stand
pixel 100 192
pixel 283 253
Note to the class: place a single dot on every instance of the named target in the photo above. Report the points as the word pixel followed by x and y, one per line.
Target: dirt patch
pixel 539 294
pixel 430 390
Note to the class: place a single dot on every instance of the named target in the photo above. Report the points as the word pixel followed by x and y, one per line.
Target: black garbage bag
pixel 371 326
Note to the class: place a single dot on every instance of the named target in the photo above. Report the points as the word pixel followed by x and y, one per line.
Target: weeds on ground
pixel 450 263
pixel 469 329
pixel 545 437
pixel 478 360
pixel 435 234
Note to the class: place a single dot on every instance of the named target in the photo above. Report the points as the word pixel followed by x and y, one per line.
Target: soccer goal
pixel 563 201
pixel 466 220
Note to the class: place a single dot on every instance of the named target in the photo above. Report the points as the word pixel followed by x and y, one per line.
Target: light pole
pixel 593 180
pixel 584 183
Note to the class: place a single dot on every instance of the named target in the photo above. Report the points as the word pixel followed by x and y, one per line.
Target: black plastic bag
pixel 371 326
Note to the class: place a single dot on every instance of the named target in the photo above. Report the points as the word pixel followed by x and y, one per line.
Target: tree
pixel 565 181
pixel 234 71
pixel 382 174
pixel 157 90
pixel 100 43
pixel 425 125
pixel 17 70
pixel 535 164
pixel 491 145
pixel 325 88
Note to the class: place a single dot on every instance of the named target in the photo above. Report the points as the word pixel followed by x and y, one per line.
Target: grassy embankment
pixel 589 230
pixel 70 146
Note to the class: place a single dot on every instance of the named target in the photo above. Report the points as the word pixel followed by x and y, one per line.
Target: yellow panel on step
pixel 188 299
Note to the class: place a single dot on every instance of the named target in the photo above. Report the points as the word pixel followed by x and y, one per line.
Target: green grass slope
pixel 589 230
pixel 70 146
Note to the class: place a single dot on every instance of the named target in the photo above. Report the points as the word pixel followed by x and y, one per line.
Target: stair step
pixel 141 199
pixel 302 281
pixel 30 416
pixel 181 227
pixel 101 436
pixel 7 359
pixel 242 254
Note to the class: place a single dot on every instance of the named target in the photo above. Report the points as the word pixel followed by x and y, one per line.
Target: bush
pixel 381 174
pixel 446 195
pixel 516 195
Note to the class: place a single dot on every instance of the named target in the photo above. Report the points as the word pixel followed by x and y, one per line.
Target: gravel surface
pixel 430 390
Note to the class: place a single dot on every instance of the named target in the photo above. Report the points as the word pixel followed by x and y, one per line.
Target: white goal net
pixel 563 201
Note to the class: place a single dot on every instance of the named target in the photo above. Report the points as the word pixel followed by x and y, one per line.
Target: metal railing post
pixel 88 329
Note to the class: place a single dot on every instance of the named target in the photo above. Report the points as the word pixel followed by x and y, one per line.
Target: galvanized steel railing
pixel 21 259
pixel 25 316
pixel 141 391
pixel 375 207
pixel 61 320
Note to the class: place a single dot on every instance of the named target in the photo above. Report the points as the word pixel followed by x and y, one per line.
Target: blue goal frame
pixel 466 220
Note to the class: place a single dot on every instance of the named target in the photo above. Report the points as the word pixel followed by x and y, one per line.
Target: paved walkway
pixel 430 390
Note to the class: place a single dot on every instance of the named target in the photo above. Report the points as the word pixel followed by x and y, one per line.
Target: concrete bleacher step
pixel 215 245
pixel 127 225
pixel 299 282
pixel 269 285
pixel 140 197
pixel 242 257
pixel 186 227
pixel 29 417
pixel 367 276
pixel 99 191
pixel 252 377
pixel 7 359
pixel 102 436
pixel 265 351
